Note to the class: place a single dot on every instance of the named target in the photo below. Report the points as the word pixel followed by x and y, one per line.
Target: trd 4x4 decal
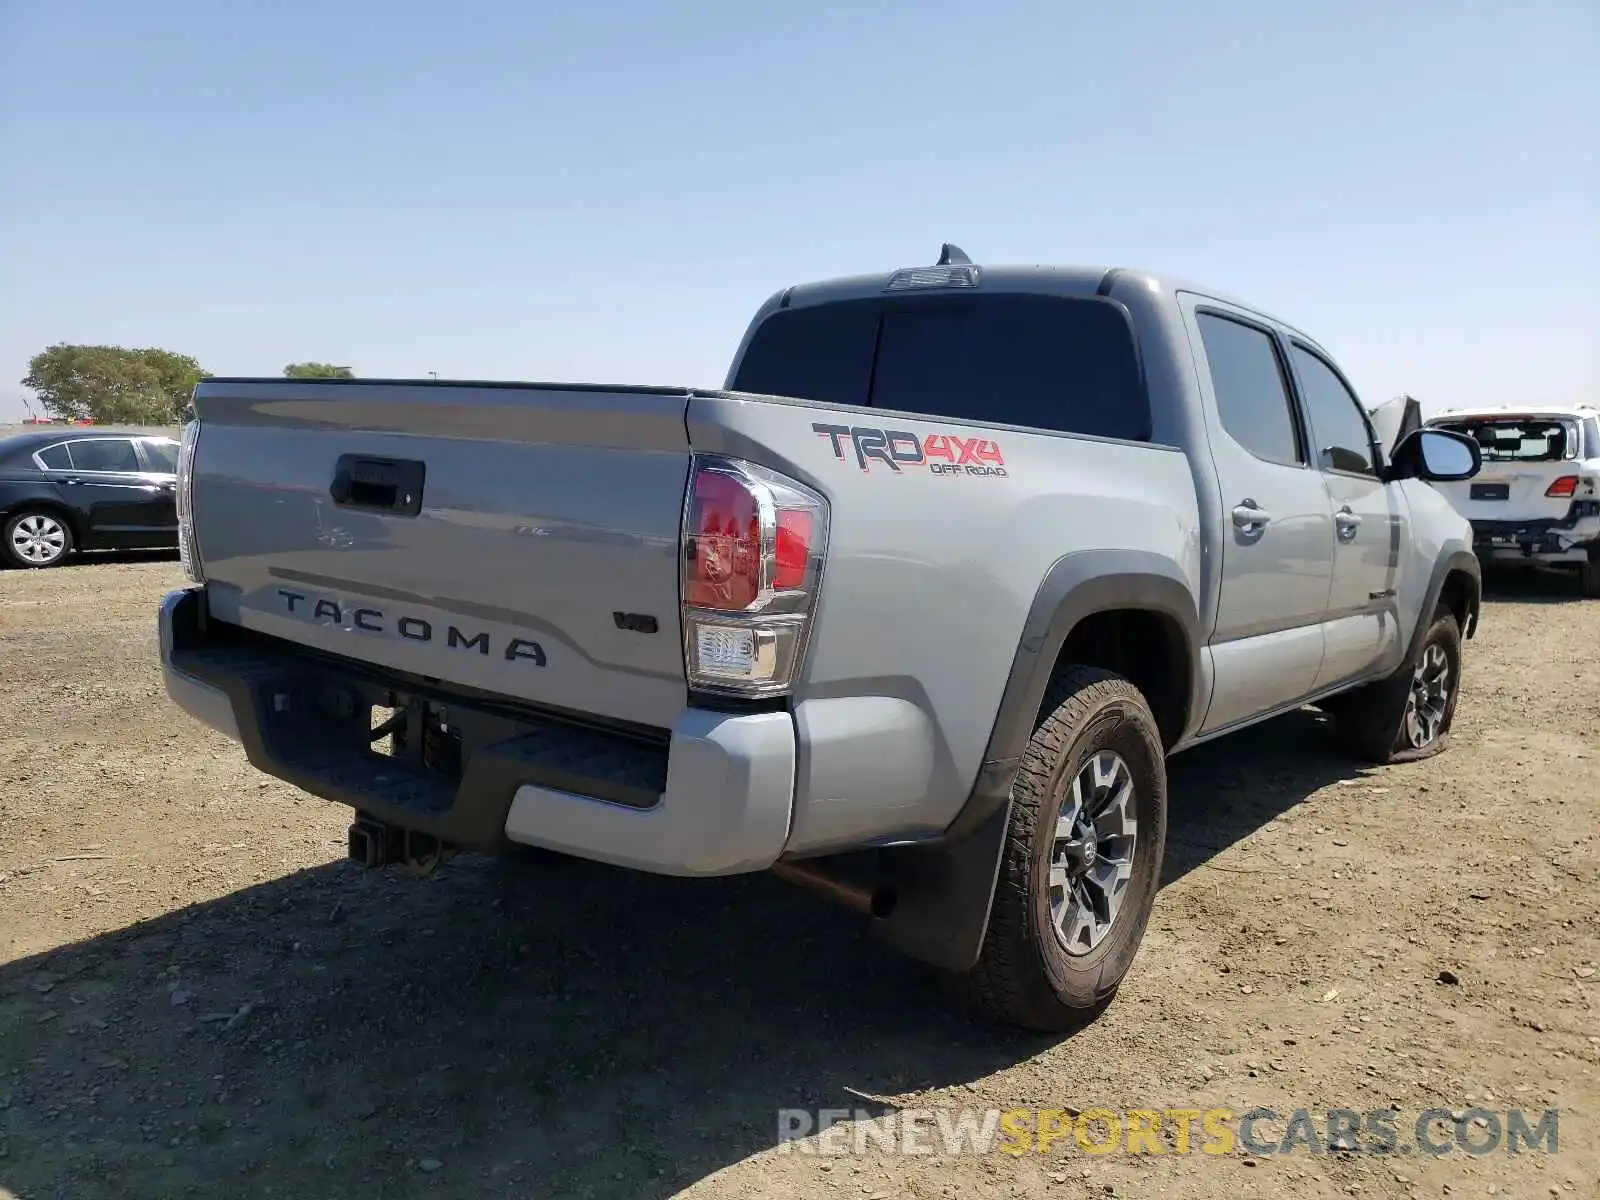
pixel 939 453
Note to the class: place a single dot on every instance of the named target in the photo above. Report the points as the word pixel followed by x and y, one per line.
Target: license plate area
pixel 434 741
pixel 1490 491
pixel 417 733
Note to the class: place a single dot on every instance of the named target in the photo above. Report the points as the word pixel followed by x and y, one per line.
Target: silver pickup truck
pixel 912 611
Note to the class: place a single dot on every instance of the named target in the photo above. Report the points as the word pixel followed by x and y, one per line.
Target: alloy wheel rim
pixel 1091 859
pixel 38 539
pixel 1429 699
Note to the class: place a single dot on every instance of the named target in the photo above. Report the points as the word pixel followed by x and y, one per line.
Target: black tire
pixel 1024 975
pixel 1374 722
pixel 1589 575
pixel 14 555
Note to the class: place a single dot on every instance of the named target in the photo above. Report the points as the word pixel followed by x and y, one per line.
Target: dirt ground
pixel 198 997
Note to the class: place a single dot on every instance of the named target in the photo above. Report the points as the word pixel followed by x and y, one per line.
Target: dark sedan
pixel 67 489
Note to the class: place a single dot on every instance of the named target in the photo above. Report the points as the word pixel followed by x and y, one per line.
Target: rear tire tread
pixel 1589 575
pixel 1006 983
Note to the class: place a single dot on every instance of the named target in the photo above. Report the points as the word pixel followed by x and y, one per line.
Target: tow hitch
pixel 376 844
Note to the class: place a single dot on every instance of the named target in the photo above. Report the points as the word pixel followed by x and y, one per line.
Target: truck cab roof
pixel 1064 279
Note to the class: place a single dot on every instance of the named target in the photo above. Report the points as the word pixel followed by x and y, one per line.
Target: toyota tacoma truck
pixel 912 611
pixel 1537 501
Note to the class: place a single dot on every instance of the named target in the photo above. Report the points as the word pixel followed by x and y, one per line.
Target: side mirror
pixel 1437 455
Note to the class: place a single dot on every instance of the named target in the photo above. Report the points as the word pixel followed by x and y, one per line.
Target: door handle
pixel 378 484
pixel 1347 523
pixel 1247 518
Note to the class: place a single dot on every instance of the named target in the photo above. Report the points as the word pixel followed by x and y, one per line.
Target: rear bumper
pixel 203 701
pixel 1536 542
pixel 712 796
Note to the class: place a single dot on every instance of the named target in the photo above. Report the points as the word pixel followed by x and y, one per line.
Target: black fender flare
pixel 944 889
pixel 1078 586
pixel 1449 561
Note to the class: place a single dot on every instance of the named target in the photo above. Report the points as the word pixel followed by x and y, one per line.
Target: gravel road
pixel 198 997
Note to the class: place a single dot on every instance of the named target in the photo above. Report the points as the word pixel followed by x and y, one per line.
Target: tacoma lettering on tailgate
pixel 413 629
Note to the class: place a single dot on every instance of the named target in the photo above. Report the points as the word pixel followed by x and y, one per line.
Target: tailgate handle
pixel 390 485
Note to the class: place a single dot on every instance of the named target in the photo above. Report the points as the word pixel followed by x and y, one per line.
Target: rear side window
pixel 1252 394
pixel 104 454
pixel 1043 362
pixel 823 353
pixel 56 457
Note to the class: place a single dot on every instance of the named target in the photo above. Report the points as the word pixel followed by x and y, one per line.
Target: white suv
pixel 1537 500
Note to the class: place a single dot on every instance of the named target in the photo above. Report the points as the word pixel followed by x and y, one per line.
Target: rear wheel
pixel 35 537
pixel 1407 716
pixel 1081 861
pixel 1589 574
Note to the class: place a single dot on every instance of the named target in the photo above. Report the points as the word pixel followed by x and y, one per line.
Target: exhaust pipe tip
pixel 875 900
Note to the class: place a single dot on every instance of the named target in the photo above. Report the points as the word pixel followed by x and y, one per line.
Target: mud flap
pixel 944 893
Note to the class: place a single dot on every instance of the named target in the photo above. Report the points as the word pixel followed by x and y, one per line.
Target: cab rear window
pixel 1046 362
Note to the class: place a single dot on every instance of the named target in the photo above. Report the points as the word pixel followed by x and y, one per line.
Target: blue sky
pixel 604 191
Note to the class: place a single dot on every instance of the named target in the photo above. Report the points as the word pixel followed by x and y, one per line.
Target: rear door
pixel 121 505
pixel 1361 625
pixel 1277 556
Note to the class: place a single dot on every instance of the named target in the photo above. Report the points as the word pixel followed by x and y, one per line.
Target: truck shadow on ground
pixel 1539 586
pixel 501 1029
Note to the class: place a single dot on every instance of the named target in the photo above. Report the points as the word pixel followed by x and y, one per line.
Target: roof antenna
pixel 951 255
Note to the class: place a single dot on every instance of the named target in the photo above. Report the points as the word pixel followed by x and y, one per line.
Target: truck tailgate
pixel 518 539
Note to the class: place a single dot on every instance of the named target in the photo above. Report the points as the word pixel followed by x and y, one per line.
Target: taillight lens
pixel 753 545
pixel 722 550
pixel 796 527
pixel 1565 486
pixel 188 550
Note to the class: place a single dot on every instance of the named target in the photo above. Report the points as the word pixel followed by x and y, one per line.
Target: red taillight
pixel 723 569
pixel 1565 486
pixel 727 548
pixel 753 542
pixel 794 548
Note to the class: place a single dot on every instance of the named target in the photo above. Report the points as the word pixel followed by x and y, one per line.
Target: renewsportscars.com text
pixel 1262 1132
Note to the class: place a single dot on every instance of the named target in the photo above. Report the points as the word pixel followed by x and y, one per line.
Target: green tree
pixel 178 374
pixel 316 370
pixel 113 385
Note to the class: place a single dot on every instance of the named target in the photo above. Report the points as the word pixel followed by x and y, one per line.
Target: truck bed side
pixel 931 577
